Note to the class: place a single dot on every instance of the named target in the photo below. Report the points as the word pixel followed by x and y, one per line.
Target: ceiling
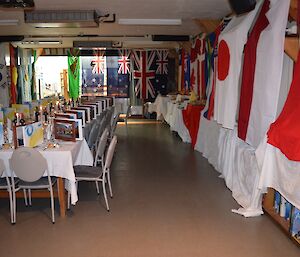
pixel 131 35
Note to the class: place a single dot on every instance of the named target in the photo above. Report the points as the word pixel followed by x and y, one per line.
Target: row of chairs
pixel 28 159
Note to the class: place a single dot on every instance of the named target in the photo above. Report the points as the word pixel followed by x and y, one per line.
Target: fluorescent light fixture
pixel 166 22
pixel 9 22
pixel 41 42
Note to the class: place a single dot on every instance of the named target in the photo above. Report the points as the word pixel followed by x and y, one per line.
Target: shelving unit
pixel 268 206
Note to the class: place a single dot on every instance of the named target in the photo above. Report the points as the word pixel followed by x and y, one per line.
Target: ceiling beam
pixel 207 25
pixel 293 9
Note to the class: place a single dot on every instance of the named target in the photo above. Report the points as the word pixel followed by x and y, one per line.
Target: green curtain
pixel 74 73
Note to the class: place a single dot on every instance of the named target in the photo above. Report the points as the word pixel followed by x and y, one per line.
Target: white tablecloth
pixel 160 106
pixel 60 162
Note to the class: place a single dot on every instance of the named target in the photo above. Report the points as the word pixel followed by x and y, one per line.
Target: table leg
pixel 61 196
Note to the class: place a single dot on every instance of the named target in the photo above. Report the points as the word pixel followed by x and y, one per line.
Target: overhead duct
pixel 62 19
pixel 17 3
pixel 177 38
pixel 93 44
pixel 11 38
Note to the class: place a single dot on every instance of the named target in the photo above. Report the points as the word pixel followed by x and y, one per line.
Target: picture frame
pixel 93 110
pixel 86 110
pixel 80 114
pixel 64 130
pixel 65 115
pixel 78 127
pixel 33 134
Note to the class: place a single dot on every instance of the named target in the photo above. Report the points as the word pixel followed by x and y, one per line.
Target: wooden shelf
pixel 285 224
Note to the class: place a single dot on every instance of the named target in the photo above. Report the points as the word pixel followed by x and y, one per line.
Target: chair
pixel 98 174
pixel 6 185
pixel 114 126
pixel 93 136
pixel 128 113
pixel 29 166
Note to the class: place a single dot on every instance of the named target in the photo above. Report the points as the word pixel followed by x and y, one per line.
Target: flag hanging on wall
pixel 230 53
pixel 74 73
pixel 161 76
pixel 94 72
pixel 124 62
pixel 184 70
pixel 13 73
pixel 261 83
pixel 198 67
pixel 144 73
pixel 4 96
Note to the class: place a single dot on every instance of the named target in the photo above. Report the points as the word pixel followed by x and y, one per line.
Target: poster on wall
pixel 33 134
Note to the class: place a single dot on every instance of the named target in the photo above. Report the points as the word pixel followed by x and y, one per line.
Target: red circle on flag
pixel 223 60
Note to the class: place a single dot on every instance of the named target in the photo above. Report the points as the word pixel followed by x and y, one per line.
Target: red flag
pixel 13 74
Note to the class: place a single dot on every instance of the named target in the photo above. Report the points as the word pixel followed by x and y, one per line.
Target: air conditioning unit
pixel 62 19
pixel 17 3
pixel 176 38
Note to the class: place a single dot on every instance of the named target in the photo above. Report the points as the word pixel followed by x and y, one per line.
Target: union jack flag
pixel 124 62
pixel 162 62
pixel 98 62
pixel 143 74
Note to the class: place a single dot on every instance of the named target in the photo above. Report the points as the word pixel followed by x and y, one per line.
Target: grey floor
pixel 168 201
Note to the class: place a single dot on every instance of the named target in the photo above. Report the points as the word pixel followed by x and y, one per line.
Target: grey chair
pixel 98 173
pixel 29 166
pixel 128 113
pixel 6 185
pixel 114 126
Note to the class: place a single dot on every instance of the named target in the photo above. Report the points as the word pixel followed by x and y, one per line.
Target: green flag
pixel 73 73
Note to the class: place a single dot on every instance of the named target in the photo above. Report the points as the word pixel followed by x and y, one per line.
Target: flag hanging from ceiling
pixel 197 67
pixel 117 84
pixel 13 73
pixel 74 73
pixel 248 74
pixel 161 76
pixel 124 62
pixel 284 132
pixel 36 54
pixel 144 73
pixel 211 69
pixel 260 107
pixel 25 75
pixel 93 80
pixel 162 62
pixel 230 51
pixel 4 96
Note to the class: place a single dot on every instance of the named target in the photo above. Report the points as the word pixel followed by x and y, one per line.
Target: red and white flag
pixel 98 62
pixel 144 74
pixel 230 53
pixel 262 78
pixel 124 62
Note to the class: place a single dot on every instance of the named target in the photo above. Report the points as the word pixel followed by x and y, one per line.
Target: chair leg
pixel 69 200
pixel 14 204
pixel 104 193
pixel 52 203
pixel 25 197
pixel 97 187
pixel 29 197
pixel 11 205
pixel 109 184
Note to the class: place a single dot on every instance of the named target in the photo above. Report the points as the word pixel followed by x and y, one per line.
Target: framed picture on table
pixel 65 130
pixel 80 114
pixel 1 134
pixel 93 111
pixel 33 134
pixel 65 115
pixel 86 111
pixel 78 127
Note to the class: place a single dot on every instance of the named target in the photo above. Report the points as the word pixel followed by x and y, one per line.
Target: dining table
pixel 61 157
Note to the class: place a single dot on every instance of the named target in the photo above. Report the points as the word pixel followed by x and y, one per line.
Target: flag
pixel 248 74
pixel 13 74
pixel 211 70
pixel 74 73
pixel 198 67
pixel 144 73
pixel 267 77
pixel 98 62
pixel 4 96
pixel 25 75
pixel 162 62
pixel 124 62
pixel 230 52
pixel 36 54
pixel 187 69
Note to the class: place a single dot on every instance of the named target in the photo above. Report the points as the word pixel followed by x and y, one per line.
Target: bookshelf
pixel 268 206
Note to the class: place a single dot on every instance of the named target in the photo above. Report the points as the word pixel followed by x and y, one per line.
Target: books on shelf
pixel 282 207
pixel 295 224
